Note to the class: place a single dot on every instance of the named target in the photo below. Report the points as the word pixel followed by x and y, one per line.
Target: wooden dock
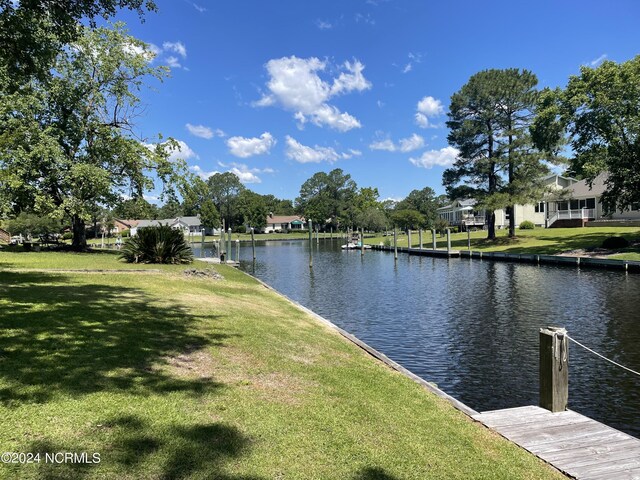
pixel 574 444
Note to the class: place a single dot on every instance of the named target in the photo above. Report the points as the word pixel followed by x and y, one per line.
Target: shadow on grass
pixel 373 473
pixel 59 337
pixel 140 449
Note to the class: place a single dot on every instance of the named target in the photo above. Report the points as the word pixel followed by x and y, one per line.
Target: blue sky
pixel 276 90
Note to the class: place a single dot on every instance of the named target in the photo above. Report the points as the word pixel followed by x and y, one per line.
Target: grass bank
pixel 167 376
pixel 547 241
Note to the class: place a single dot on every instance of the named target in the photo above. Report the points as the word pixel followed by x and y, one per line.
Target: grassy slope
pixel 539 240
pixel 171 377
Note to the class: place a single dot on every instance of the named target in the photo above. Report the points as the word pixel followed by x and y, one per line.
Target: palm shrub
pixel 161 244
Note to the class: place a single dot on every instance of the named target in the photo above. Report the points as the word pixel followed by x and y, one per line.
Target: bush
pixel 161 244
pixel 387 242
pixel 67 235
pixel 526 225
pixel 125 233
pixel 615 242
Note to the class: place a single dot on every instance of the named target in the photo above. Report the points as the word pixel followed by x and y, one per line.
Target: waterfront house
pixel 464 214
pixel 283 223
pixel 581 205
pixel 189 225
pixel 120 225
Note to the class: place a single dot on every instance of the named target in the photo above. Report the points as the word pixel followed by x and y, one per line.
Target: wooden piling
pixel 433 239
pixel 408 238
pixel 420 239
pixel 361 241
pixel 237 250
pixel 253 244
pixel 310 243
pixel 221 242
pixel 554 369
pixel 395 243
pixel 448 240
pixel 469 238
pixel 202 244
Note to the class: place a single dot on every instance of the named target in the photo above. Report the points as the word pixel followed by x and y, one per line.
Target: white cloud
pixel 426 108
pixel 387 145
pixel 295 85
pixel 173 62
pixel 407 68
pixel 368 19
pixel 244 173
pixel 176 47
pixel 598 61
pixel 149 50
pixel 199 8
pixel 202 173
pixel 322 25
pixel 316 154
pixel 441 158
pixel 247 147
pixel 203 131
pixel 430 106
pixel 181 151
pixel 409 144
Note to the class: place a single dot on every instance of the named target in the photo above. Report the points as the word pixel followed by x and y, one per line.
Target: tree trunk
pixel 512 213
pixel 491 224
pixel 79 233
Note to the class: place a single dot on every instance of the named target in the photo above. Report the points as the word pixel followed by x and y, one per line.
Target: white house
pixel 581 203
pixel 283 223
pixel 189 225
pixel 464 213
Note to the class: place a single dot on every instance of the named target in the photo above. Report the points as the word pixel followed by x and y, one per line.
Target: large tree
pixel 224 190
pixel 67 145
pixel 327 197
pixel 425 202
pixel 490 118
pixel 253 209
pixel 33 32
pixel 600 110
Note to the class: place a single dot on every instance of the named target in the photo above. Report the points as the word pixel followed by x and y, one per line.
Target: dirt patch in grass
pixel 193 363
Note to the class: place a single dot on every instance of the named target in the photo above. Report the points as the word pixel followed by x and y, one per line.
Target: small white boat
pixel 355 246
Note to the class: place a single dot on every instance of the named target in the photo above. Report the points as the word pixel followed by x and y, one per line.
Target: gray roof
pixel 581 189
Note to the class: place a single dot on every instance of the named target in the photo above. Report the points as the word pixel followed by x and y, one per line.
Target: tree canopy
pixel 33 32
pixel 600 111
pixel 68 144
pixel 327 197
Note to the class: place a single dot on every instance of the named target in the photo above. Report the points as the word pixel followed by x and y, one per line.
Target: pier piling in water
pixel 448 240
pixel 253 244
pixel 229 244
pixel 420 239
pixel 433 239
pixel 395 243
pixel 310 244
pixel 408 238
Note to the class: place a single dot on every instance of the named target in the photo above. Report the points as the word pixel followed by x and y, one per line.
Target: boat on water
pixel 355 245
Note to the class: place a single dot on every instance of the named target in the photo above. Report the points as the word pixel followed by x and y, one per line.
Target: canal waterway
pixel 471 326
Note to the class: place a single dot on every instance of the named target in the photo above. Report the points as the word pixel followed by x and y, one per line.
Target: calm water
pixel 472 326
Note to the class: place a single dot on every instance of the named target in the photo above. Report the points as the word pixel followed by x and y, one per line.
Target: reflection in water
pixel 471 326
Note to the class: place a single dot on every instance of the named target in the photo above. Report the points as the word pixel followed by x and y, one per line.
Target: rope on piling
pixel 602 356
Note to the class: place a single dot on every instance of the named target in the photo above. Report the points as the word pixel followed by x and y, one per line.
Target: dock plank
pixel 576 445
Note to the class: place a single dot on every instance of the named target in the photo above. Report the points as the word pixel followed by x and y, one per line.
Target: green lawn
pixel 539 240
pixel 172 377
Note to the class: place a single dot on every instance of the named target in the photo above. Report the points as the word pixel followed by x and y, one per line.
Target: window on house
pixel 539 208
pixel 563 205
pixel 574 204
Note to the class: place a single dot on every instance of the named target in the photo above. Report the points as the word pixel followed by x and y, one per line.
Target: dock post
pixel 408 238
pixel 238 250
pixel 229 244
pixel 433 238
pixel 554 369
pixel 310 243
pixel 448 240
pixel 202 245
pixel 221 242
pixel 361 241
pixel 395 243
pixel 253 244
pixel 469 238
pixel 331 237
pixel 420 238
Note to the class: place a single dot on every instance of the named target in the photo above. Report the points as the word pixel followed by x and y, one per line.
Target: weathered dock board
pixel 573 443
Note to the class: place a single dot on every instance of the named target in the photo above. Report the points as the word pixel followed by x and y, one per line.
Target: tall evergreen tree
pixel 490 120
